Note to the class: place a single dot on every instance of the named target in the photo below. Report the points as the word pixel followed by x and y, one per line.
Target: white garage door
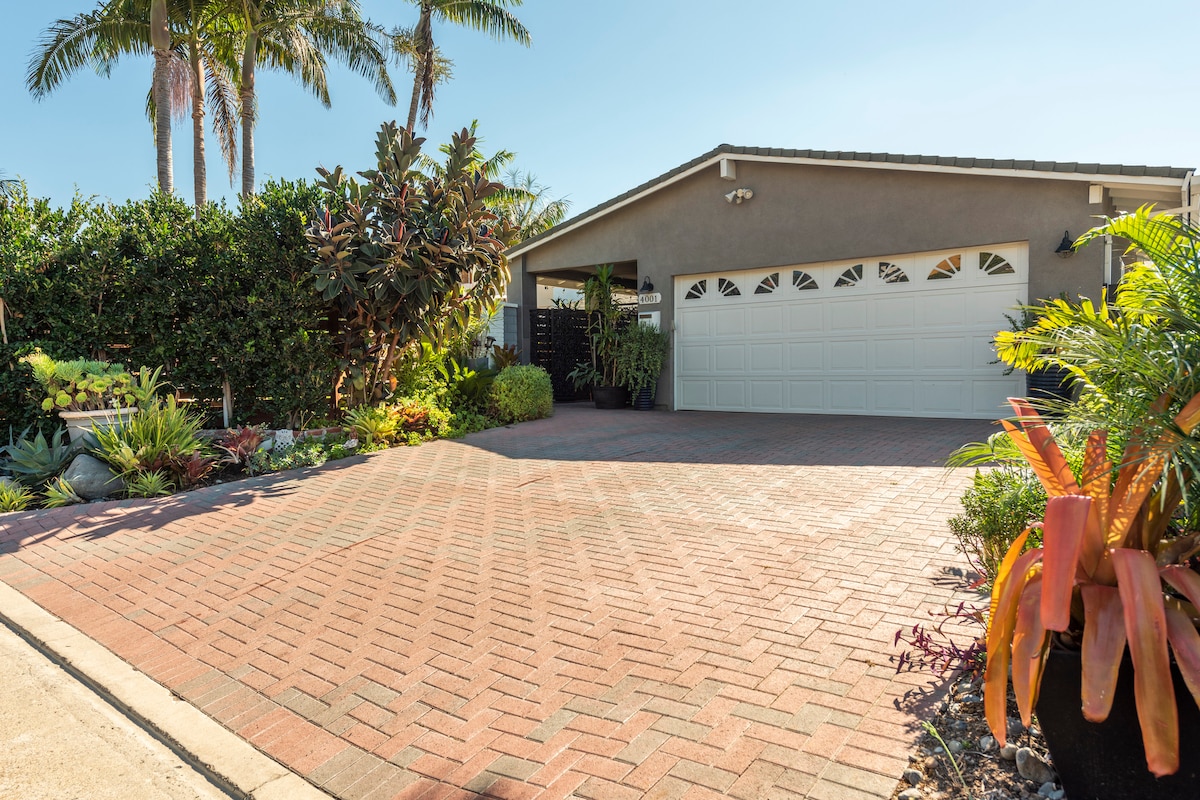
pixel 902 336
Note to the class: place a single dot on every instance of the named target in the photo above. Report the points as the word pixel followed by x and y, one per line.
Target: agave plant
pixel 1111 572
pixel 35 461
pixel 59 493
pixel 14 496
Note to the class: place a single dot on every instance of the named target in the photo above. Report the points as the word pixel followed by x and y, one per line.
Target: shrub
pixel 522 393
pixel 999 505
pixel 163 438
pixel 422 416
pixel 14 496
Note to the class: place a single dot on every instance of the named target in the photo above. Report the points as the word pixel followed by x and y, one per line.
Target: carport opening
pixel 563 288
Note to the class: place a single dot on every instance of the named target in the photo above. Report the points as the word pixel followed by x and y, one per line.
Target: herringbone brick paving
pixel 601 605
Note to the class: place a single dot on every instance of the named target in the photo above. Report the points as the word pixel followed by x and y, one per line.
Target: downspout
pixel 1108 265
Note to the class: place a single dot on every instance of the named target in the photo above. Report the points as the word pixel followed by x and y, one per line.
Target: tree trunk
pixel 422 36
pixel 162 122
pixel 198 165
pixel 160 39
pixel 249 115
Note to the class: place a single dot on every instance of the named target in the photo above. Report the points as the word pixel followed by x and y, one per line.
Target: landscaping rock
pixel 1032 768
pixel 1050 791
pixel 987 743
pixel 910 794
pixel 91 478
pixel 1008 752
pixel 913 776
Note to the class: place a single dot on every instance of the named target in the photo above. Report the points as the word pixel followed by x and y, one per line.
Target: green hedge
pixel 228 295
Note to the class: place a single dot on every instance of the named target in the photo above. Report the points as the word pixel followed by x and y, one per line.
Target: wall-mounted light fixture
pixel 647 286
pixel 738 195
pixel 1066 248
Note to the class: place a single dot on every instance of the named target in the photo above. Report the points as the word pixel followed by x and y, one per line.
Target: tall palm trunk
pixel 198 164
pixel 248 112
pixel 160 39
pixel 424 62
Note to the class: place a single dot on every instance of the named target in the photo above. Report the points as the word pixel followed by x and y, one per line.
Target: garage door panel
pixel 848 396
pixel 693 324
pixel 848 355
pixel 766 357
pixel 806 356
pixel 695 394
pixel 730 394
pixel 729 358
pixel 942 353
pixel 895 353
pixel 695 359
pixel 766 395
pixel 895 397
pixel 806 396
pixel 895 312
pixel 767 320
pixel 847 316
pixel 806 316
pixel 729 322
pixel 875 345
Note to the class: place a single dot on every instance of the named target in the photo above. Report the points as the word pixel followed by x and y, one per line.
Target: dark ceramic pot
pixel 644 400
pixel 1106 760
pixel 610 396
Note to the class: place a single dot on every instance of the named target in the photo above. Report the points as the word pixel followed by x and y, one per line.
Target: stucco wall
pixel 804 214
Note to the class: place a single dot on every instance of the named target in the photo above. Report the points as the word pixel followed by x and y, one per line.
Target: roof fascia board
pixel 1091 177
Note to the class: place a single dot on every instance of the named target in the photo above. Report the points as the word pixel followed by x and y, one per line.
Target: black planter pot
pixel 610 396
pixel 644 400
pixel 1106 761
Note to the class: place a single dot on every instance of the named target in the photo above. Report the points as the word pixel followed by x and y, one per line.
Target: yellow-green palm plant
pixel 1110 571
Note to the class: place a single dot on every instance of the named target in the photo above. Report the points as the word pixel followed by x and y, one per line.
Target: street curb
pixel 226 759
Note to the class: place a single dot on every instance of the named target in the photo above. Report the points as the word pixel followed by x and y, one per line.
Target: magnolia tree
pixel 402 258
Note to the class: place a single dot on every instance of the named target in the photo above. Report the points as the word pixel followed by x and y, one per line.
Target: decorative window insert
pixel 946 268
pixel 768 284
pixel 851 277
pixel 993 264
pixel 698 290
pixel 802 280
pixel 727 287
pixel 890 273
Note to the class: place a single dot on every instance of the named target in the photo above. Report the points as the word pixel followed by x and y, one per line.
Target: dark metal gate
pixel 558 341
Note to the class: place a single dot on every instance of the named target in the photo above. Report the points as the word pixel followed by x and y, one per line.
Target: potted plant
pixel 605 321
pixel 1115 569
pixel 85 393
pixel 641 353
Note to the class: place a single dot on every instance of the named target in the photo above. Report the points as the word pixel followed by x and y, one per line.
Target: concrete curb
pixel 227 760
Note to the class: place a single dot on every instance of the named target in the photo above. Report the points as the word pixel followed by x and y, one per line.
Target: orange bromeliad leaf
pixel 1041 468
pixel 1189 417
pixel 1103 646
pixel 1062 540
pixel 1043 441
pixel 1146 629
pixel 1030 642
pixel 1002 572
pixel 1096 483
pixel 1129 497
pixel 1184 581
pixel 1185 641
pixel 999 641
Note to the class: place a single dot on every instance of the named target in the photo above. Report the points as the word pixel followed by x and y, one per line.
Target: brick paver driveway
pixel 602 605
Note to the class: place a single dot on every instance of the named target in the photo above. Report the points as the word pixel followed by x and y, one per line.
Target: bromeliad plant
pixel 1112 571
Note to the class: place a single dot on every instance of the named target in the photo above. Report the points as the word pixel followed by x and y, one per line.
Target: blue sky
pixel 614 93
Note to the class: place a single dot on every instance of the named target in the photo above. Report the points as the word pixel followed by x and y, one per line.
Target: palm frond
pixel 224 99
pixel 489 16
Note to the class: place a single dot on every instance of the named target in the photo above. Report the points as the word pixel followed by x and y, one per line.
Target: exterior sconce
pixel 647 286
pixel 1066 248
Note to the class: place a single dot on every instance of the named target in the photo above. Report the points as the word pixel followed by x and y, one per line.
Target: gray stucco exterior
pixel 807 211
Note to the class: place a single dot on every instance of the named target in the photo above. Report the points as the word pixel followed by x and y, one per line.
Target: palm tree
pixel 489 16
pixel 526 205
pixel 197 44
pixel 296 35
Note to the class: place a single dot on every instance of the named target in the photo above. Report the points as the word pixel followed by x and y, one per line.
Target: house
pixel 845 283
